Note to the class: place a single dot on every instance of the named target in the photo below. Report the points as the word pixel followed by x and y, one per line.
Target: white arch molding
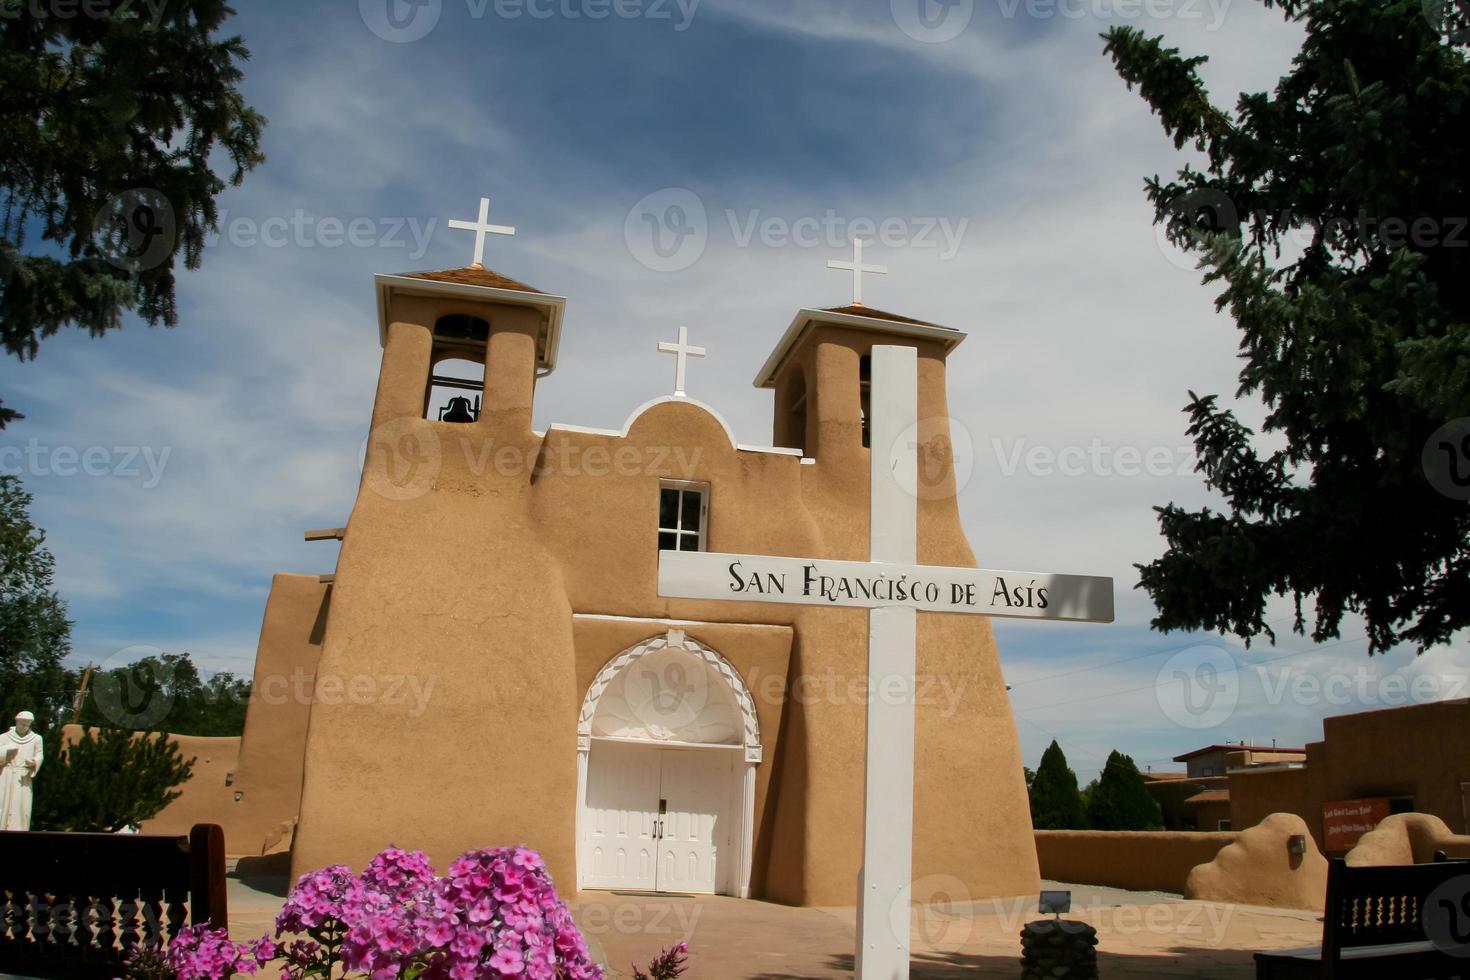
pixel 711 736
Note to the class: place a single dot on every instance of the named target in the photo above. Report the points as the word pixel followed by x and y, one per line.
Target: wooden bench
pixel 1372 928
pixel 73 904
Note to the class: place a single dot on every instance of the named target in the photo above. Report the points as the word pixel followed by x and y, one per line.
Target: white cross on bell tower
pixel 682 352
pixel 857 269
pixel 481 228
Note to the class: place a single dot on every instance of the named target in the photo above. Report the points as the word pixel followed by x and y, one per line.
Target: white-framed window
pixel 683 515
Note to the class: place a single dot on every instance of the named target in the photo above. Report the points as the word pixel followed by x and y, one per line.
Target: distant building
pixel 1368 765
pixel 1199 797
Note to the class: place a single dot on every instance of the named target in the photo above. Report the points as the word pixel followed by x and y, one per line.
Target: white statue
pixel 20 749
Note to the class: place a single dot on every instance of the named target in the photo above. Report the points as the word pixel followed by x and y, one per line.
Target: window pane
pixel 688 542
pixel 690 510
pixel 668 541
pixel 668 508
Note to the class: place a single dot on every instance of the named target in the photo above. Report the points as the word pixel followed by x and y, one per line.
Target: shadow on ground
pixel 1223 965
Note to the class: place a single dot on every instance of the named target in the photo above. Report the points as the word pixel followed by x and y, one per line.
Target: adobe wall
pixel 251 785
pixel 203 797
pixel 1144 860
pixel 268 777
pixel 471 547
pixel 1408 838
pixel 1259 868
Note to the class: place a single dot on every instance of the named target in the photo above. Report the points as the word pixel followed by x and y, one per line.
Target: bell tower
pixel 820 374
pixel 463 346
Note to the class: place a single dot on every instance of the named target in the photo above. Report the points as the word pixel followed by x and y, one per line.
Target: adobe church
pixel 544 693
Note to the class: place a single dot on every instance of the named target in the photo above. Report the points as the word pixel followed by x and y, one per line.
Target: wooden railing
pixel 73 904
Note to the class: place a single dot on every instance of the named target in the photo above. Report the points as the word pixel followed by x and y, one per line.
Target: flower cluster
pixel 496 914
pixel 667 965
pixel 200 953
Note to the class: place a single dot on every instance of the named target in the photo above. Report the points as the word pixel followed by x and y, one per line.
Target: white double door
pixel 658 819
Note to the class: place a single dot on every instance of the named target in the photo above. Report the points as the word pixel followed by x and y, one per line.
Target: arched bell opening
pixel 456 384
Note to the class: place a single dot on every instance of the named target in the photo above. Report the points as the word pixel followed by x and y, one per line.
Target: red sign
pixel 1343 823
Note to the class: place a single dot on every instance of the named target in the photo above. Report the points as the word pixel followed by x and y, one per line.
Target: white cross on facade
pixel 857 269
pixel 894 590
pixel 682 352
pixel 481 228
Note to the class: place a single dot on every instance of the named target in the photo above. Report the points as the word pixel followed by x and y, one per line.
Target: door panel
pixel 695 789
pixel 622 801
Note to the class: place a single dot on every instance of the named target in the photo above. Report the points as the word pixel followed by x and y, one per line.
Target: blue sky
pixel 1000 122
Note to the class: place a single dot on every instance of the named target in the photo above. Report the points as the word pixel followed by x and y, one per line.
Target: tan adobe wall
pixel 1408 838
pixel 1259 869
pixel 202 798
pixel 1141 860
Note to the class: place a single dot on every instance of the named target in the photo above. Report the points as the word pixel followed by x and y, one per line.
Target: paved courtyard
pixel 1141 934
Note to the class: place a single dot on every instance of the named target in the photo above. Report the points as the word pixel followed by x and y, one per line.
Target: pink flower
pixel 507 961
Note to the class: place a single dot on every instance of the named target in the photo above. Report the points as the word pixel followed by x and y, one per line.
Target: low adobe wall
pixel 203 797
pixel 1408 838
pixel 1260 869
pixel 1149 860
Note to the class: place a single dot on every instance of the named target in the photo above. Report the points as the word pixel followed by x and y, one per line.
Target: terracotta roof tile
pixel 869 311
pixel 474 277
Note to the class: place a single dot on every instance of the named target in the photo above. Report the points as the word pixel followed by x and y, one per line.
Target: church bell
pixel 460 409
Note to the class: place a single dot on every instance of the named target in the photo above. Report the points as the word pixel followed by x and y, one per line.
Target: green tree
pixel 1331 212
pixel 1055 802
pixel 35 634
pixel 107 780
pixel 1120 801
pixel 109 116
pixel 167 693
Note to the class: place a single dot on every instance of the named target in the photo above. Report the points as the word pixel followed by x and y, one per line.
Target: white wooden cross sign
pixel 481 228
pixel 894 588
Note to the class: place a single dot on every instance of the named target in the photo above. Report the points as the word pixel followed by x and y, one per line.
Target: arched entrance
pixel 667 748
